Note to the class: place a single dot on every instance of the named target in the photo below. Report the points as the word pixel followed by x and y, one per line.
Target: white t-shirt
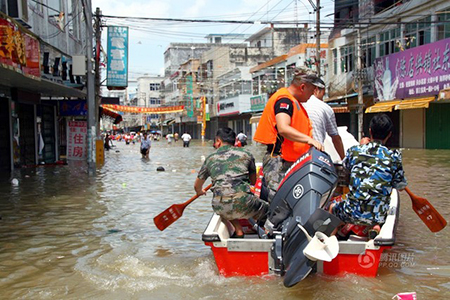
pixel 186 137
pixel 241 137
pixel 322 118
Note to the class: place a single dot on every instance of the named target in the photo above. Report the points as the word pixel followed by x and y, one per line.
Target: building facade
pixel 36 62
pixel 403 50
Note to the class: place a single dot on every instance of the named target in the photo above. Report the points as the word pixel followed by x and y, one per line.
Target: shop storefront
pixel 410 82
pixel 35 75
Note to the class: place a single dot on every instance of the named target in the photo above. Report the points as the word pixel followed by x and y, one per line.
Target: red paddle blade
pixel 167 217
pixel 427 213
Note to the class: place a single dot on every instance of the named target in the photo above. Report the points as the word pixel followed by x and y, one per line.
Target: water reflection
pixel 65 234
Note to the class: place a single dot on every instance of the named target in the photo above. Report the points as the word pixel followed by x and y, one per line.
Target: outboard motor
pixel 297 208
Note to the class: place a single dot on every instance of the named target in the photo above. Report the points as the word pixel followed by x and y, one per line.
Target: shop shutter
pixel 438 126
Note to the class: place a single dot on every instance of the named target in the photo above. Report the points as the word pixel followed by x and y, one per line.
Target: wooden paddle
pixel 173 213
pixel 429 215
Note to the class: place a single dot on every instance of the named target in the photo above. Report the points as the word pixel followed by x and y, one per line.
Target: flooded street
pixel 65 235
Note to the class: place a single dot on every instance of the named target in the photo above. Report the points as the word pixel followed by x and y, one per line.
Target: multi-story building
pixel 233 107
pixel 38 42
pixel 404 53
pixel 225 62
pixel 148 95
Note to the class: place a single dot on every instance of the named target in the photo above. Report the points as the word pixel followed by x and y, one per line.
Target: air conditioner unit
pixel 18 9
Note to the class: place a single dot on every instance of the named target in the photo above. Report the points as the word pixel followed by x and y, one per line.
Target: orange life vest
pixel 266 132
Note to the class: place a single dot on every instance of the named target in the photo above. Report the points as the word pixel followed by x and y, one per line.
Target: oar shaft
pixel 196 196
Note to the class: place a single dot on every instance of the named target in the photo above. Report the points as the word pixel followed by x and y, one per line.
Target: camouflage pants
pixel 241 205
pixel 274 168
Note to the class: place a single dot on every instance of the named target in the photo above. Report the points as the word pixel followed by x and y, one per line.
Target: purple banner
pixel 417 72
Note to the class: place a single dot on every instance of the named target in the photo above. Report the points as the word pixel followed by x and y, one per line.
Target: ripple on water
pixel 67 235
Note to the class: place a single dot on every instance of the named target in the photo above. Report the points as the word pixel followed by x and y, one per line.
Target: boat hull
pixel 251 256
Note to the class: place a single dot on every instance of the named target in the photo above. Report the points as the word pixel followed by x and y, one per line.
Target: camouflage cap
pixel 307 75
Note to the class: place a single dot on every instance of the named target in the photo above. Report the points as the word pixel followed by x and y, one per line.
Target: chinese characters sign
pixel 257 103
pixel 18 50
pixel 72 108
pixel 417 72
pixel 144 110
pixel 117 67
pixel 76 140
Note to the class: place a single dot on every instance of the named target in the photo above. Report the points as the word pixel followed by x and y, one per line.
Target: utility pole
pixel 360 86
pixel 98 42
pixel 318 36
pixel 91 124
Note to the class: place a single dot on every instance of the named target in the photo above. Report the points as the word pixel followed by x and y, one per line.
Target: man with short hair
pixel 323 119
pixel 232 170
pixel 285 128
pixel 374 171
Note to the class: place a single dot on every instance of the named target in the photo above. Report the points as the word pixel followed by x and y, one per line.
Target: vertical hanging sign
pixel 76 140
pixel 189 97
pixel 117 66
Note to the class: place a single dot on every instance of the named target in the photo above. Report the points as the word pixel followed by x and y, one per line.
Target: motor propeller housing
pixel 299 201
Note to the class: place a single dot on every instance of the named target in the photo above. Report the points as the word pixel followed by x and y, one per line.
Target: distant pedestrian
pixel 241 139
pixel 186 137
pixel 169 138
pixel 107 142
pixel 145 145
pixel 175 136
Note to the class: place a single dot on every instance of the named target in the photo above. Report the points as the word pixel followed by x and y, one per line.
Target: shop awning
pixel 382 106
pixel 340 109
pixel 415 103
pixel 113 115
pixel 342 97
pixel 255 119
pixel 168 122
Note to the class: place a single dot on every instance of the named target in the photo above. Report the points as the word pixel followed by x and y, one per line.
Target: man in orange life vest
pixel 285 128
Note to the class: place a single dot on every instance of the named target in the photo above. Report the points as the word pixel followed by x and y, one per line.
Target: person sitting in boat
pixel 374 171
pixel 232 170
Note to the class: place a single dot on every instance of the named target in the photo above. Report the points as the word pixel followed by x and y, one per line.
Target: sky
pixel 149 39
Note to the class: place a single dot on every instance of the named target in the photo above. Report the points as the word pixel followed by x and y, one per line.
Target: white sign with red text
pixel 76 140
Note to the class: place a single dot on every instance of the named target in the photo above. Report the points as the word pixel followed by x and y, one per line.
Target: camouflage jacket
pixel 374 171
pixel 229 168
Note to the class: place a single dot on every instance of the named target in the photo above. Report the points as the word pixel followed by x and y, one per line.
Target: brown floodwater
pixel 66 235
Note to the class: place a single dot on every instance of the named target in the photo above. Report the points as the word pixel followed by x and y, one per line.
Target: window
pixel 335 64
pixel 54 7
pixel 390 42
pixel 444 27
pixel 382 5
pixel 368 52
pixel 246 87
pixel 280 78
pixel 269 83
pixel 73 18
pixel 255 85
pixel 3 6
pixel 418 33
pixel 154 101
pixel 347 60
pixel 154 86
